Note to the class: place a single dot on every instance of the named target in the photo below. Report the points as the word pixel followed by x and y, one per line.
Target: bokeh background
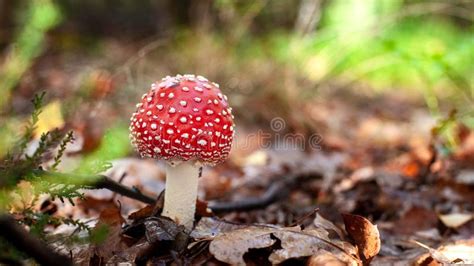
pixel 386 86
pixel 314 63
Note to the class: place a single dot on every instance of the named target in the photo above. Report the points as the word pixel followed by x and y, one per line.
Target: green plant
pixel 40 17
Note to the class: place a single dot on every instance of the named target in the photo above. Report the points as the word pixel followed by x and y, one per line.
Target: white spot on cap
pixel 185 88
pixel 153 126
pixel 217 120
pixel 172 110
pixel 162 94
pixel 170 131
pixel 183 103
pixel 198 89
pixel 202 142
pixel 218 133
pixel 216 102
pixel 183 119
pixel 224 112
pixel 157 150
pixel 144 124
pixel 213 144
pixel 171 95
pixel 224 127
pixel 209 112
pixel 148 113
pixel 201 78
pixel 219 95
pixel 149 99
pixel 198 118
pixel 159 106
pixel 139 105
pixel 195 110
pixel 185 135
pixel 197 99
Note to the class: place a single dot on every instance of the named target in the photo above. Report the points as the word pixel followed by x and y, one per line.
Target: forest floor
pixel 275 201
pixel 368 179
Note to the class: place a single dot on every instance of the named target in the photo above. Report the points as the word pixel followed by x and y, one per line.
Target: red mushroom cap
pixel 183 118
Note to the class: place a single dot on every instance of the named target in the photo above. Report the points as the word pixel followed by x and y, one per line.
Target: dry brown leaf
pixel 460 252
pixel 321 222
pixel 324 258
pixel 230 247
pixel 113 243
pixel 210 227
pixel 365 234
pixel 416 219
pixel 142 213
pixel 296 244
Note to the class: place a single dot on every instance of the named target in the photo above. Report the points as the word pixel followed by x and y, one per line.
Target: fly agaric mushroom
pixel 186 121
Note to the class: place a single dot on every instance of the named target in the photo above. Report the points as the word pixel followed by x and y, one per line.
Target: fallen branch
pixel 277 191
pixel 96 182
pixel 25 242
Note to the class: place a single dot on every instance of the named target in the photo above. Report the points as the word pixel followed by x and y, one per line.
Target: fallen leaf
pixel 142 213
pixel 455 220
pixel 321 222
pixel 416 219
pixel 230 247
pixel 161 229
pixel 460 252
pixel 130 255
pixel 109 225
pixel 365 234
pixel 210 227
pixel 324 258
pixel 296 244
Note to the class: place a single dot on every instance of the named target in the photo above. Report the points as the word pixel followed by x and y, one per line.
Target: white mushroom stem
pixel 181 193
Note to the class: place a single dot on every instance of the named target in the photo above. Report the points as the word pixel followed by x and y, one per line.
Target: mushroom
pixel 186 121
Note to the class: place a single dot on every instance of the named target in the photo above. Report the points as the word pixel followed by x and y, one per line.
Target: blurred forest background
pixel 273 58
pixel 386 84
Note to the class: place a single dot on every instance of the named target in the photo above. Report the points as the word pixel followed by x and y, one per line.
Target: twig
pixel 97 182
pixel 25 242
pixel 277 191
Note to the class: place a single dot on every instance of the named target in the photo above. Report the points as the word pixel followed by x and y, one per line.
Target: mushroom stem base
pixel 181 193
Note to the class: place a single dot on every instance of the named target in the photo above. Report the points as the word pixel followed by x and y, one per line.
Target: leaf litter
pixel 389 179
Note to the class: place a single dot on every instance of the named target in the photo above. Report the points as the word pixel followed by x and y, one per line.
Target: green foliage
pixel 19 166
pixel 37 222
pixel 62 147
pixel 385 44
pixel 115 144
pixel 99 234
pixel 40 17
pixel 31 125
